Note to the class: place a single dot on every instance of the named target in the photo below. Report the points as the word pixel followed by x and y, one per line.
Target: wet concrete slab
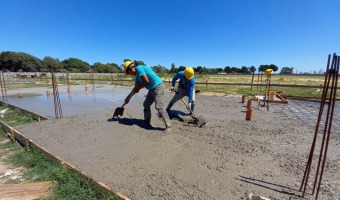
pixel 76 102
pixel 98 97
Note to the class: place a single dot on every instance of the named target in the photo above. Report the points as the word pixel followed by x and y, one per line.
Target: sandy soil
pixel 228 158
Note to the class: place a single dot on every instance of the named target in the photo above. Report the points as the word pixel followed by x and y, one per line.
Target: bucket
pixel 271 95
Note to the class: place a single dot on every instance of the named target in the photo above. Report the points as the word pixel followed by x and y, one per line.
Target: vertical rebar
pixel 330 83
pixel 309 162
pixel 57 105
pixel 332 99
pixel 3 78
pixel 2 90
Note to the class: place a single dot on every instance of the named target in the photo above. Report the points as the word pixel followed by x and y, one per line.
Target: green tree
pixel 234 70
pixel 199 69
pixel 252 69
pixel 100 67
pixel 227 70
pixel 48 63
pixel 245 70
pixel 263 68
pixel 160 69
pixel 173 68
pixel 181 68
pixel 114 68
pixel 15 61
pixel 75 65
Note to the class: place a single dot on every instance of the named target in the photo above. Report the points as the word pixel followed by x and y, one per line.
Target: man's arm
pixel 145 82
pixel 174 79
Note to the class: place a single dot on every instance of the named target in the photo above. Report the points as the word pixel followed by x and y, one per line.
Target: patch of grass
pixel 15 117
pixel 68 185
pixel 8 146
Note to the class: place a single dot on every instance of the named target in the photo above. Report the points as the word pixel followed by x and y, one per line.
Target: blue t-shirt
pixel 154 80
pixel 184 83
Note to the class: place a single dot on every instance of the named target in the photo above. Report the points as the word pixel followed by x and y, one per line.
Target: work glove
pixel 172 89
pixel 189 106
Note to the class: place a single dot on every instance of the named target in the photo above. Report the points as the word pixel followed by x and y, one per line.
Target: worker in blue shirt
pixel 186 87
pixel 146 77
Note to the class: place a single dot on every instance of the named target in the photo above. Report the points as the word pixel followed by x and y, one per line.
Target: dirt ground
pixel 228 158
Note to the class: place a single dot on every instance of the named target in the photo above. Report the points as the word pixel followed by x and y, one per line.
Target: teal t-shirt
pixel 154 80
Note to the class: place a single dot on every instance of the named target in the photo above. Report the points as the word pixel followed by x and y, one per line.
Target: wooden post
pixel 12 136
pixel 85 88
pixel 27 144
pixel 206 84
pixel 243 98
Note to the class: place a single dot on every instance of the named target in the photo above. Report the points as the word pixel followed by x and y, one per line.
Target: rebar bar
pixel 331 77
pixel 57 105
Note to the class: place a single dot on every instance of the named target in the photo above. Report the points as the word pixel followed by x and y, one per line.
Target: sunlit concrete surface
pixel 76 102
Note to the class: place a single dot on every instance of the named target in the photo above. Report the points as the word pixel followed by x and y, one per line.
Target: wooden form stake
pixel 12 136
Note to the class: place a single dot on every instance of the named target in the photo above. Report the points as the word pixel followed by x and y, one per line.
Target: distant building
pixel 287 70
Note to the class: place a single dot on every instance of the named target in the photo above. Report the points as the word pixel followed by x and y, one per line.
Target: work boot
pixel 147 125
pixel 166 119
pixel 192 108
pixel 167 130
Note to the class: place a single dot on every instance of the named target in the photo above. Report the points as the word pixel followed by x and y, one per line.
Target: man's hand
pixel 172 89
pixel 189 106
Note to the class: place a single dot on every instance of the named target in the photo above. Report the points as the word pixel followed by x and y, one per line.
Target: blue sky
pixel 211 33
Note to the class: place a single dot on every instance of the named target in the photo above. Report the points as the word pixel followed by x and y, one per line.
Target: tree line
pixel 24 62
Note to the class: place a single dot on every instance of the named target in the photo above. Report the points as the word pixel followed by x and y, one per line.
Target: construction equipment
pixel 120 110
pixel 199 120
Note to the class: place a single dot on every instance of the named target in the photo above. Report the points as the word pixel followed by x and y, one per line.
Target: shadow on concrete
pixel 271 186
pixel 177 115
pixel 132 121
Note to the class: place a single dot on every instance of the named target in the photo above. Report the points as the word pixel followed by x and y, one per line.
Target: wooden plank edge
pixel 101 187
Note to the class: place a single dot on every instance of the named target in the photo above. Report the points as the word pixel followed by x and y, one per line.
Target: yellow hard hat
pixel 126 65
pixel 189 73
pixel 267 72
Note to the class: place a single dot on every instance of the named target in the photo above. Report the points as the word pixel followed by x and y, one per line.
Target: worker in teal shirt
pixel 146 77
pixel 186 87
